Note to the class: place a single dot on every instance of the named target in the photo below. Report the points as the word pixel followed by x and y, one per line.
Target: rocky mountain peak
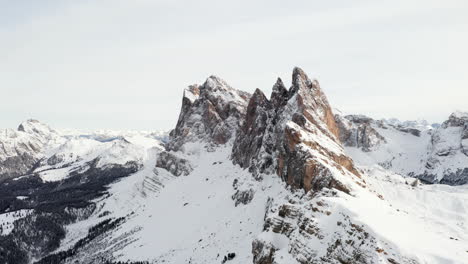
pixel 300 79
pixel 21 149
pixel 192 93
pixel 311 102
pixel 211 112
pixel 214 82
pixel 279 95
pixel 456 119
pixel 258 97
pixel 294 135
pixel 33 126
pixel 358 131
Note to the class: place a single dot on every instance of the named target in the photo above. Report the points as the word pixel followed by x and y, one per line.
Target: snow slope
pixel 403 152
pixel 426 222
pixel 193 219
pixel 435 155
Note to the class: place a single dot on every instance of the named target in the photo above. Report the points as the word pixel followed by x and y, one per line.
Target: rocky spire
pixel 211 112
pixel 312 102
pixel 250 137
pixel 279 95
pixel 295 136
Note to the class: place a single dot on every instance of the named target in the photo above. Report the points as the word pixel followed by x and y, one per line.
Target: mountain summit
pixel 294 135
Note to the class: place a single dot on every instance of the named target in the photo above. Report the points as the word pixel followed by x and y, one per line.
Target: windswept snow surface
pixel 403 152
pixel 194 219
pixel 188 218
pixel 427 222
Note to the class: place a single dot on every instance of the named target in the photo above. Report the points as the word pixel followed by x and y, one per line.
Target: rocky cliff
pixel 357 131
pixel 448 155
pixel 294 135
pixel 211 112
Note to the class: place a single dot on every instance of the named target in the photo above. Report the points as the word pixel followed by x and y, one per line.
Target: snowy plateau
pixel 242 178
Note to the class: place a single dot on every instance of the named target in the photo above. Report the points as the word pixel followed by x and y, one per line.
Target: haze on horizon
pixel 115 64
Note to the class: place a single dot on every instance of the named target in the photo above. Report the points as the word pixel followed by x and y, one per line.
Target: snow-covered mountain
pixel 241 179
pixel 433 154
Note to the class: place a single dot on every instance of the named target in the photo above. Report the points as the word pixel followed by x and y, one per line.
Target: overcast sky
pixel 124 64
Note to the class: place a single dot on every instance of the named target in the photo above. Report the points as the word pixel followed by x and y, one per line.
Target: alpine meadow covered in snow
pixel 270 175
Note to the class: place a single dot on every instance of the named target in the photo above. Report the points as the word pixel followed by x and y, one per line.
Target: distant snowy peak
pixel 448 158
pixel 456 119
pixel 413 148
pixel 420 124
pixel 358 131
pixel 22 149
pixel 361 131
pixel 54 155
pixel 34 127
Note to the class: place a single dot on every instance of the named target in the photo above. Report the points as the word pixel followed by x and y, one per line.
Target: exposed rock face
pixel 251 141
pixel 357 131
pixel 447 161
pixel 243 196
pixel 294 134
pixel 413 131
pixel 211 112
pixel 175 165
pixel 465 139
pixel 413 148
pixel 302 223
pixel 263 252
pixel 457 119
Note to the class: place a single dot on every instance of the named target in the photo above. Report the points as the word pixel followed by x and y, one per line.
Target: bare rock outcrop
pixel 211 112
pixel 175 165
pixel 357 131
pixel 301 227
pixel 448 155
pixel 294 134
